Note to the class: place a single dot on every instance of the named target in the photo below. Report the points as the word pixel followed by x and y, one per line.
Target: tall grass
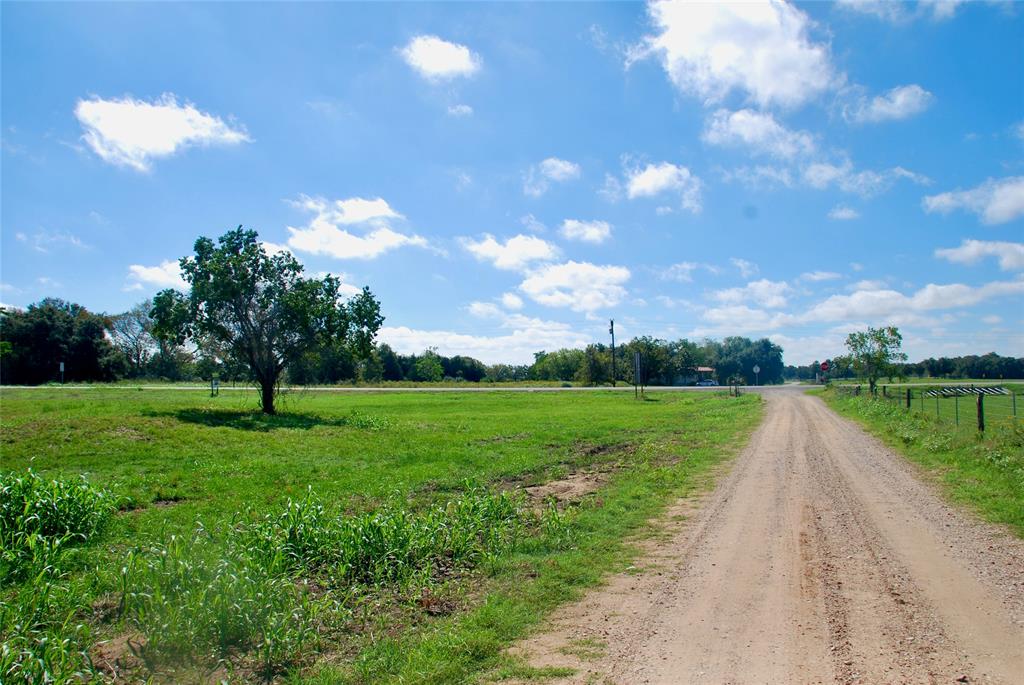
pixel 267 588
pixel 44 639
pixel 40 519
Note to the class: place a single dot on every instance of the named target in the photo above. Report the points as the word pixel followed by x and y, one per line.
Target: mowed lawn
pixel 184 461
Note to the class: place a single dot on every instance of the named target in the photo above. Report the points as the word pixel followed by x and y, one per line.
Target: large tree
pixel 875 352
pixel 260 308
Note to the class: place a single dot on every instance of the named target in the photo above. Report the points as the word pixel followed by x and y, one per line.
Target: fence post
pixel 922 401
pixel 908 398
pixel 981 412
pixel 1013 396
pixel 937 406
pixel 956 407
pixel 885 391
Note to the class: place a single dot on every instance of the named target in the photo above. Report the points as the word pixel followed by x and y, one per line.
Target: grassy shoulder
pixel 984 471
pixel 417 558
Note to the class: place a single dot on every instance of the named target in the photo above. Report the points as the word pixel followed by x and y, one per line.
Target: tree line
pixel 97 347
pixel 987 366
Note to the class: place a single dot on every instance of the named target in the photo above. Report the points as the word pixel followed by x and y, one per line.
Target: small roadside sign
pixel 757 371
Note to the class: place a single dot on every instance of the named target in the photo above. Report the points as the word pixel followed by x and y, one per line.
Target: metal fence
pixel 965 406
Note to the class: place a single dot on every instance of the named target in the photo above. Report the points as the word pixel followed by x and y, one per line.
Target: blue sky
pixel 507 177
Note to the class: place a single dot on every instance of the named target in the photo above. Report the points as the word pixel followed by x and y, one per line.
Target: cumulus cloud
pixel 886 305
pixel 539 177
pixel 511 301
pixel 758 131
pixel 519 338
pixel 843 213
pixel 581 286
pixel 132 133
pixel 1010 255
pixel 325 235
pixel 439 60
pixel 514 254
pixel 765 293
pixel 995 201
pixel 901 102
pixel 166 274
pixel 655 179
pixel 761 49
pixel 587 231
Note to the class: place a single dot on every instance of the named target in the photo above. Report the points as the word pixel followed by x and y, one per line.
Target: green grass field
pixel 982 470
pixel 351 538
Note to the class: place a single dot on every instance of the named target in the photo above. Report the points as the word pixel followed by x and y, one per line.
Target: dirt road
pixel 820 558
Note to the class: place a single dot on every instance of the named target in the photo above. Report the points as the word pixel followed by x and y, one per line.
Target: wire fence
pixel 965 406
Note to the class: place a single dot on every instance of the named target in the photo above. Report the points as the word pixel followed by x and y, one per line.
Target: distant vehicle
pixel 707 381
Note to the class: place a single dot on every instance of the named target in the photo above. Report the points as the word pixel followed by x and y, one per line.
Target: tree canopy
pixel 259 310
pixel 875 352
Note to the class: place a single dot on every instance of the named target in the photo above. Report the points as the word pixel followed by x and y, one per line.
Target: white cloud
pixel 133 133
pixel 484 310
pixel 460 110
pixel 655 179
pixel 759 48
pixel 322 236
pixel 532 223
pixel 272 249
pixel 992 319
pixel 761 176
pixel 345 289
pixel 587 231
pixel 511 301
pixel 519 338
pixel 821 175
pixel 899 12
pixel 514 254
pixel 581 286
pixel 747 268
pixel 681 271
pixel 995 201
pixel 818 276
pixel 843 213
pixel 166 274
pixel 355 210
pixel 44 241
pixel 437 60
pixel 539 177
pixel 886 305
pixel 765 293
pixel 901 102
pixel 1010 255
pixel 758 131
pixel 868 284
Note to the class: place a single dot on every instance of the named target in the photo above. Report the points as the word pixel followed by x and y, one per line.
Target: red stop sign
pixel 824 365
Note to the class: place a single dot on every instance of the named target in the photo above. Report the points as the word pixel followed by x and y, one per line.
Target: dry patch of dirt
pixel 567 490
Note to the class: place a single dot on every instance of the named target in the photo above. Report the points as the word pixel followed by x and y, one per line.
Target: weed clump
pixel 40 519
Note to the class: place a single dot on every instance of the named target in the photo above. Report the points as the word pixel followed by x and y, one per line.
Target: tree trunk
pixel 267 396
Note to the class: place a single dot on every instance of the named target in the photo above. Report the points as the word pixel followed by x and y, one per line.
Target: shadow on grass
pixel 252 420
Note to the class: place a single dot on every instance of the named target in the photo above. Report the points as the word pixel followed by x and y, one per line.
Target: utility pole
pixel 611 329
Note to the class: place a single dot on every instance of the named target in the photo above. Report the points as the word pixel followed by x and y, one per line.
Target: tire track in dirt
pixel 820 558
